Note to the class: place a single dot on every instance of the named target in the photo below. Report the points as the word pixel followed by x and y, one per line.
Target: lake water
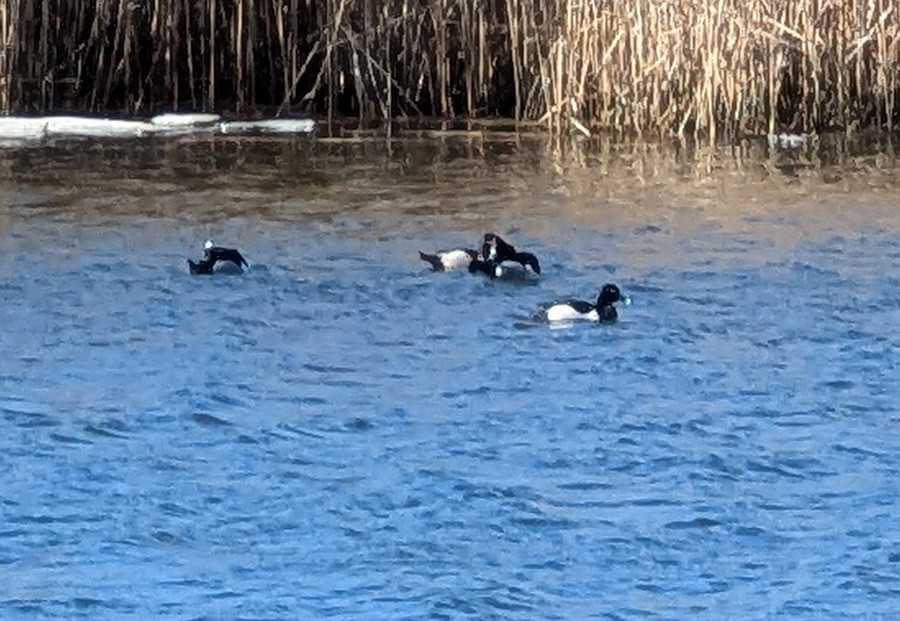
pixel 340 433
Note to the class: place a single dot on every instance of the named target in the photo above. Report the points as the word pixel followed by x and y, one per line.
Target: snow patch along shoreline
pixel 39 128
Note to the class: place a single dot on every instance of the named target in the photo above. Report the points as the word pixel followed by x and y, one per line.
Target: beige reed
pixel 638 66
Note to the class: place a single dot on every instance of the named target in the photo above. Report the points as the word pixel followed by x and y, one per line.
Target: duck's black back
pixel 225 254
pixel 580 306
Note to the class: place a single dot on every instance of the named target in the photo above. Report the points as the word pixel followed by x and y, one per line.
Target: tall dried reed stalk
pixel 665 66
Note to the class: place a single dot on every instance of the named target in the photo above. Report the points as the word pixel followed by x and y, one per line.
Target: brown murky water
pixel 470 182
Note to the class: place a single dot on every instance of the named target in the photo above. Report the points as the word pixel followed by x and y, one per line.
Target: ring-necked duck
pixel 213 254
pixel 500 259
pixel 602 311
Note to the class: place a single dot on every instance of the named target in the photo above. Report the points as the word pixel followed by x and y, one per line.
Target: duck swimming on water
pixel 497 259
pixel 212 255
pixel 603 311
pixel 500 259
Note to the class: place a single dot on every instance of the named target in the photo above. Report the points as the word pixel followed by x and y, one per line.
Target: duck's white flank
pixel 564 312
pixel 455 259
pixel 512 270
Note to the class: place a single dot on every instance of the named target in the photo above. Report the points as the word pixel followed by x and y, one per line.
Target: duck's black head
pixel 609 295
pixel 494 248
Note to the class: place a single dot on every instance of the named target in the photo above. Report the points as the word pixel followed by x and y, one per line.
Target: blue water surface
pixel 340 433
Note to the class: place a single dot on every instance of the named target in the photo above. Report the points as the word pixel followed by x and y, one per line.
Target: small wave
pixel 300 432
pixel 838 384
pixel 86 603
pixel 700 522
pixel 166 537
pixel 358 424
pixel 27 419
pixel 66 439
pixel 208 420
pixel 228 400
pixel 104 433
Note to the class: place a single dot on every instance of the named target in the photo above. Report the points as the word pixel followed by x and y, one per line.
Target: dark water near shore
pixel 339 433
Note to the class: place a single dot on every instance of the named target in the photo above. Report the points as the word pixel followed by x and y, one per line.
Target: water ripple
pixel 340 432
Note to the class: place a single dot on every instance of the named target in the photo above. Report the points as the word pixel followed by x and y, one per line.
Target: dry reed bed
pixel 681 66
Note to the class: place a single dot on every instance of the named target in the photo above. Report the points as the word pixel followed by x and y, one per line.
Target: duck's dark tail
pixel 203 267
pixel 433 260
pixel 528 259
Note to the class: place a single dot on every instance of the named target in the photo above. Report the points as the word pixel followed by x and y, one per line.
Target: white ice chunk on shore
pixel 174 119
pixel 99 128
pixel 279 126
pixel 24 129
